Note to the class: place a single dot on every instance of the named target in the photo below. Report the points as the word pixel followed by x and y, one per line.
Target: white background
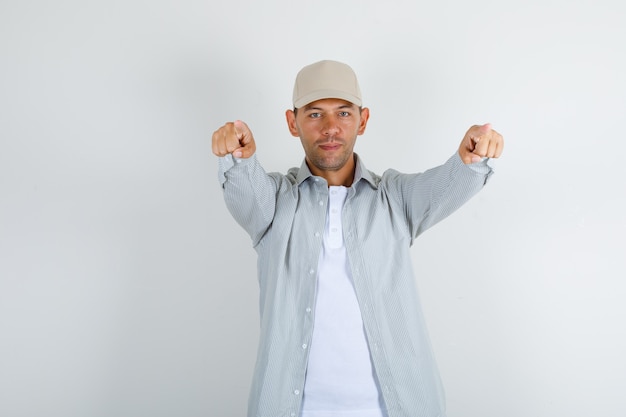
pixel 127 290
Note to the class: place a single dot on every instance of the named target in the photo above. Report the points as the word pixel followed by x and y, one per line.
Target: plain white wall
pixel 127 290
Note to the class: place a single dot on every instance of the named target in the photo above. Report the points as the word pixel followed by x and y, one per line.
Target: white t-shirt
pixel 340 380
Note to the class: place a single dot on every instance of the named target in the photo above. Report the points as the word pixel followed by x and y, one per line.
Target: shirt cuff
pixel 227 162
pixel 481 167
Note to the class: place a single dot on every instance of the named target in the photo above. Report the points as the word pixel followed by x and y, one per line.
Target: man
pixel 342 332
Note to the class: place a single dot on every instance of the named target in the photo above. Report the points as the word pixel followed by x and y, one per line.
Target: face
pixel 328 129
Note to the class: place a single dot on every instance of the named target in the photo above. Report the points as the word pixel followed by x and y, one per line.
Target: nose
pixel 331 126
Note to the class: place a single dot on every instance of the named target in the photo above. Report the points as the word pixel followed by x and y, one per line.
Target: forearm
pixel 443 190
pixel 249 193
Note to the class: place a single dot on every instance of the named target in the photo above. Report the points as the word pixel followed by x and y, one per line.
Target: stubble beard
pixel 331 162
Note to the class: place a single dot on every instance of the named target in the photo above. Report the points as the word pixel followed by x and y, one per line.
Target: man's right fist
pixel 234 138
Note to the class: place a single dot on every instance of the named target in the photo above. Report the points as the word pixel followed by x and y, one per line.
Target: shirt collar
pixel 360 173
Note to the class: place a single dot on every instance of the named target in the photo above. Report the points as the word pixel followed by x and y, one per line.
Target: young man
pixel 342 331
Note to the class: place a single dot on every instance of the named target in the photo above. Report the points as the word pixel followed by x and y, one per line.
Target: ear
pixel 291 123
pixel 365 115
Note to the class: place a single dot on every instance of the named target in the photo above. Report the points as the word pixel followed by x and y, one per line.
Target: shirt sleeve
pixel 431 196
pixel 481 167
pixel 249 193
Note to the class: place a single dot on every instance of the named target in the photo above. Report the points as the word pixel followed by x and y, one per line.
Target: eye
pixel 344 114
pixel 315 115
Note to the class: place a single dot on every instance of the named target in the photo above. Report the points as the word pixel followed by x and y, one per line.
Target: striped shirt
pixel 285 216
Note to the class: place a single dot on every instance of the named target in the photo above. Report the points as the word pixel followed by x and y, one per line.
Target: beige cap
pixel 326 79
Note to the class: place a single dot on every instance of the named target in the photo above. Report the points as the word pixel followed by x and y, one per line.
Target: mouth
pixel 332 146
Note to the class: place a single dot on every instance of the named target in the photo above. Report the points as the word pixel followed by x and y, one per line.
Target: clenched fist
pixel 234 138
pixel 481 142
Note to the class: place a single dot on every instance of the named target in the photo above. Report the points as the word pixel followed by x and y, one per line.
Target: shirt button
pixel 311 271
pixel 334 230
pixel 308 309
pixel 317 234
pixel 304 346
pixel 293 414
pixel 296 392
pixel 321 203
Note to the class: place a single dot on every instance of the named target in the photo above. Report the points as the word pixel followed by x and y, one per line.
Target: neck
pixel 338 180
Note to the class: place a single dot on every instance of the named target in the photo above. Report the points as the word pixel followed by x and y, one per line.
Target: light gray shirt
pixel 285 216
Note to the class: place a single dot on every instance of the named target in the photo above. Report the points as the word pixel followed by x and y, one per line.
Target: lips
pixel 330 146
